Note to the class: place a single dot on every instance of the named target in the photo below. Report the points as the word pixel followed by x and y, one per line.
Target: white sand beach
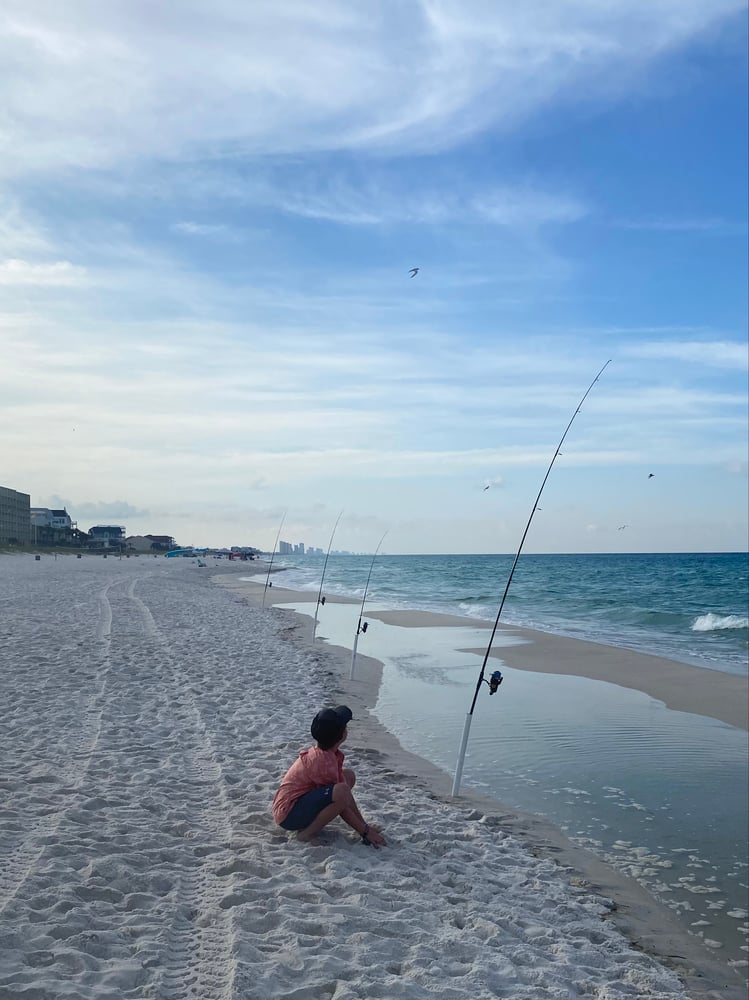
pixel 149 713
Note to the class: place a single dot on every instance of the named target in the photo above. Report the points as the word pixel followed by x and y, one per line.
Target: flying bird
pixel 622 527
pixel 413 272
pixel 651 475
pixel 487 487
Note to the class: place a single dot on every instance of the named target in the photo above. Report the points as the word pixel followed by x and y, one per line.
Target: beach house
pixel 107 536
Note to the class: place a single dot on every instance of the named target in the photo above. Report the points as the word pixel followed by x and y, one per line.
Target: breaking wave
pixel 712 623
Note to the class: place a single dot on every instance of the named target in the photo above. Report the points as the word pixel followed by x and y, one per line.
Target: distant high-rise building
pixel 285 548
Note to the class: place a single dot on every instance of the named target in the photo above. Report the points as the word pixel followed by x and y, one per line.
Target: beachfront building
pixel 15 517
pixel 162 543
pixel 53 527
pixel 150 543
pixel 107 536
pixel 45 517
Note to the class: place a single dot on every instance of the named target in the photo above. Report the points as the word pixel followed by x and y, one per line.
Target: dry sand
pixel 148 716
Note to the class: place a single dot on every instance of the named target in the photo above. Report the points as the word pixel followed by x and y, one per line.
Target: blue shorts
pixel 306 808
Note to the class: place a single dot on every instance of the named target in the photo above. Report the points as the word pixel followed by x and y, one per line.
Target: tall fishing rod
pixel 496 678
pixel 272 556
pixel 363 628
pixel 322 578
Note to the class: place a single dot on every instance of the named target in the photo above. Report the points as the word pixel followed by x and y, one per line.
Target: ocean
pixel 659 794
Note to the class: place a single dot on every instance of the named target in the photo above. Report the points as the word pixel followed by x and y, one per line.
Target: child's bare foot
pixel 308 838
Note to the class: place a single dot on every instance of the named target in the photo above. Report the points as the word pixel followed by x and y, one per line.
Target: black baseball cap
pixel 328 725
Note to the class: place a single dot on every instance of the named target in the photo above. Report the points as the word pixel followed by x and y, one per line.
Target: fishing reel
pixel 494 681
pixel 363 626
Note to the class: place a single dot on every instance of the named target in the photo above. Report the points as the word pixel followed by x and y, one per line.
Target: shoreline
pixel 682 687
pixel 647 923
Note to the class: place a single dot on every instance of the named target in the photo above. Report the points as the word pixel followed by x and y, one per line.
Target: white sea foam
pixel 714 623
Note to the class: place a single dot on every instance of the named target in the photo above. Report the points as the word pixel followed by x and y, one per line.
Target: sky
pixel 208 218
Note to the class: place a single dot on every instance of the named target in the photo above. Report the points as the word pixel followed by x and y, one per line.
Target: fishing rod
pixel 363 628
pixel 496 677
pixel 272 555
pixel 322 578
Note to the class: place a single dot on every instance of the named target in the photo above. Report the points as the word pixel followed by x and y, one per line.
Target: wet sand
pixel 679 686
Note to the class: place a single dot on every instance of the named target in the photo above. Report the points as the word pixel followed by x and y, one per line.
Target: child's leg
pixel 320 821
pixel 343 805
pixel 341 799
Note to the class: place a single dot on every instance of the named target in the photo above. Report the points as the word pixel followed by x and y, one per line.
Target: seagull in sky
pixel 487 487
pixel 651 475
pixel 413 272
pixel 622 527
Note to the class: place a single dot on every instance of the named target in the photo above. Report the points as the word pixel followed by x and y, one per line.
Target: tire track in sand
pixel 198 959
pixel 20 862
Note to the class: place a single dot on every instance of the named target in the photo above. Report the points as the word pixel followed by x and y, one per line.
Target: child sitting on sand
pixel 317 788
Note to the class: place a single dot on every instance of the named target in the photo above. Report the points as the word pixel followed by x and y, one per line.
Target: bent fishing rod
pixel 496 677
pixel 272 556
pixel 322 578
pixel 363 628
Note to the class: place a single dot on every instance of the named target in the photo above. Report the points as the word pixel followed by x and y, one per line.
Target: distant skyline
pixel 209 220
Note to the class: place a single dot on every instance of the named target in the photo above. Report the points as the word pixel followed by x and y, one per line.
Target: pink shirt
pixel 313 768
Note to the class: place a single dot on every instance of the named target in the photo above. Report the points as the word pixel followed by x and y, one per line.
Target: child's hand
pixel 373 835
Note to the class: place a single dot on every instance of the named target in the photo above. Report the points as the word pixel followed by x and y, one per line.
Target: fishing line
pixel 322 578
pixel 359 627
pixel 272 556
pixel 496 677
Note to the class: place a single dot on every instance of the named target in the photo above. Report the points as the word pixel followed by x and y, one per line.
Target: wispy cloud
pixel 90 85
pixel 58 274
pixel 712 353
pixel 18 235
pixel 217 231
pixel 378 200
pixel 707 226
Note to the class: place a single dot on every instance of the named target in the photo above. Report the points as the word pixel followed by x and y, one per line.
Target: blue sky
pixel 207 220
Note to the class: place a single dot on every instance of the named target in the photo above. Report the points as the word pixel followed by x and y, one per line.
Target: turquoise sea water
pixel 659 794
pixel 692 607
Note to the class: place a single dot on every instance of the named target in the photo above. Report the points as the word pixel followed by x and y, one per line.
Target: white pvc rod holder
pixel 461 755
